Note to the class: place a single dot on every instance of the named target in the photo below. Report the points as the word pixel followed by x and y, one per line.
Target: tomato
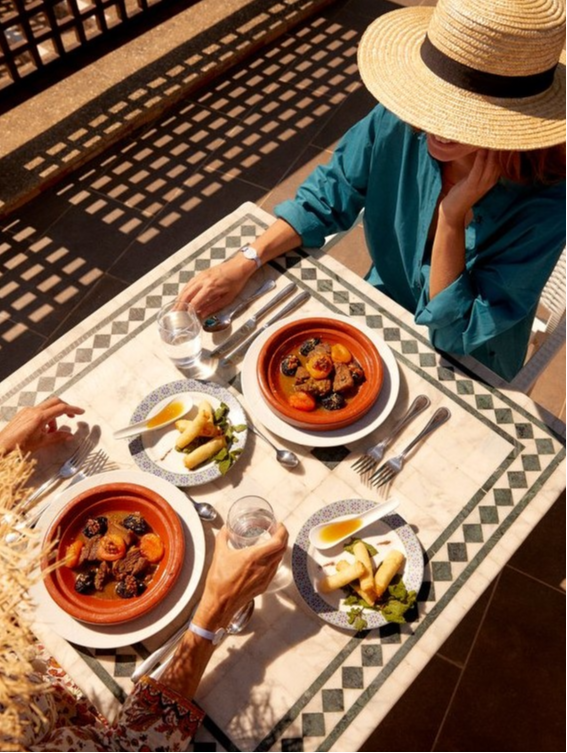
pixel 340 353
pixel 319 366
pixel 302 401
pixel 111 547
pixel 72 553
pixel 151 547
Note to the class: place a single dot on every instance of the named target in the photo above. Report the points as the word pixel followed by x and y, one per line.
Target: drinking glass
pixel 250 521
pixel 180 332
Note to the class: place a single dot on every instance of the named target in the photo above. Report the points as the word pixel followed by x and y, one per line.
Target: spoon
pixel 171 412
pixel 235 626
pixel 216 323
pixel 204 509
pixel 326 535
pixel 286 457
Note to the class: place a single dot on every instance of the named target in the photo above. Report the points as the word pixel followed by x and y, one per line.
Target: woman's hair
pixel 543 166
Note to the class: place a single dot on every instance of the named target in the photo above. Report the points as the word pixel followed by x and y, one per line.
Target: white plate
pixel 48 613
pixel 154 451
pixel 375 416
pixel 309 563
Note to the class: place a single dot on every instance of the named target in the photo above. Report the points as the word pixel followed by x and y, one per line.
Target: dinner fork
pixel 368 461
pixel 68 469
pixel 392 467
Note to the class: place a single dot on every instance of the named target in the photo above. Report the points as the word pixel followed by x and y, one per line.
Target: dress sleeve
pixel 499 289
pixel 333 195
pixel 152 718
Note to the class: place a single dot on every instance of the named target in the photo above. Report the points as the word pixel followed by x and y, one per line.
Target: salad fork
pixel 368 461
pixel 392 467
pixel 68 469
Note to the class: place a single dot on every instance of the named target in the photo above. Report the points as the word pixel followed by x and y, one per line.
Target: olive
pixel 290 364
pixel 308 345
pixel 84 583
pixel 95 526
pixel 334 401
pixel 129 587
pixel 136 523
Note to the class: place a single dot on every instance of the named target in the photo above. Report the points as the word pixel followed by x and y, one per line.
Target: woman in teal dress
pixel 460 172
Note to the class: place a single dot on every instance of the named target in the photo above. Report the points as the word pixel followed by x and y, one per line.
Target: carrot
pixel 151 547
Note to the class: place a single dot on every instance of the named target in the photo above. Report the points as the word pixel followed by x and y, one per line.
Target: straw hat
pixel 482 72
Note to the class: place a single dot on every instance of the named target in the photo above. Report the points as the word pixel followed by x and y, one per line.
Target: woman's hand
pixel 32 428
pixel 214 288
pixel 483 175
pixel 238 575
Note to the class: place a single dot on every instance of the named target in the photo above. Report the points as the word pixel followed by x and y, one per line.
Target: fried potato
pixel 369 597
pixel 204 452
pixel 339 579
pixel 196 426
pixel 389 567
pixel 367 580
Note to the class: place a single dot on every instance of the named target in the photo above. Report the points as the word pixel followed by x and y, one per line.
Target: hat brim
pixel 392 70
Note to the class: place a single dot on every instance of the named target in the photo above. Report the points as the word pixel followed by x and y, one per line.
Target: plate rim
pixel 304 437
pixel 139 629
pixel 301 552
pixel 139 453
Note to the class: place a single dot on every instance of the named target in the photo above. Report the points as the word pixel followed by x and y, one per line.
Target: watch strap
pixel 214 636
pixel 252 254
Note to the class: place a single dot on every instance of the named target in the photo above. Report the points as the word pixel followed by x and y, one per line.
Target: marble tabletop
pixel 471 493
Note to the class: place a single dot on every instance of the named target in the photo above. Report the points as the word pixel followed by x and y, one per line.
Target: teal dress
pixel 512 244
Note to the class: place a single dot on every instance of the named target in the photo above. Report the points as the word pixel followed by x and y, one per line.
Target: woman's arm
pixel 216 287
pixel 32 428
pixel 448 252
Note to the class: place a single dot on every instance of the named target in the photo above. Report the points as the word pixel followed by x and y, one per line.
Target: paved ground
pixel 253 134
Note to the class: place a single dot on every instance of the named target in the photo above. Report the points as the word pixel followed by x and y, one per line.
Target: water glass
pixel 250 521
pixel 180 332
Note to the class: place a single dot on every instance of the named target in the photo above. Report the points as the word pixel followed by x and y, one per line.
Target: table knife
pixel 291 306
pixel 249 325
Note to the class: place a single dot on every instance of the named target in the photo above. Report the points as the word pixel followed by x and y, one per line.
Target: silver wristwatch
pixel 251 253
pixel 215 637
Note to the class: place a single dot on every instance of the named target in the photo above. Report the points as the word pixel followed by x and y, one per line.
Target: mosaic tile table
pixel 472 493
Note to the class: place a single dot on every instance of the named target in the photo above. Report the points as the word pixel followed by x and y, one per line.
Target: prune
pixel 85 582
pixel 290 364
pixel 95 526
pixel 334 401
pixel 308 345
pixel 129 587
pixel 136 523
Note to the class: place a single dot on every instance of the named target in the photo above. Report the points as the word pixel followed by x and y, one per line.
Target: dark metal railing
pixel 36 33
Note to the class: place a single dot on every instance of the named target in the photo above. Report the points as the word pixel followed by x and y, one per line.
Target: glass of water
pixel 180 332
pixel 250 521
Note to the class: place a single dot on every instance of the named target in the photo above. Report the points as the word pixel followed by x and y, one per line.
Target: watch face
pixel 249 253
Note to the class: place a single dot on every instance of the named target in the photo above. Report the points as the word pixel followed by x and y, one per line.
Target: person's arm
pixel 216 287
pixel 35 427
pixel 448 252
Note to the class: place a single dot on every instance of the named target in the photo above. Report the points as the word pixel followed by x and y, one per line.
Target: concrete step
pixel 61 128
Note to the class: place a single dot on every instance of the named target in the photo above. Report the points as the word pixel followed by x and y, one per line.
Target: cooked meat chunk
pixel 334 401
pixel 343 380
pixel 308 345
pixel 135 522
pixel 316 387
pixel 357 372
pixel 89 551
pixel 321 349
pixel 301 375
pixel 129 587
pixel 134 563
pixel 101 575
pixel 290 365
pixel 95 526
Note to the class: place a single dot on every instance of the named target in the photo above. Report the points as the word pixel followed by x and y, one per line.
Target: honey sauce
pixel 338 530
pixel 172 410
